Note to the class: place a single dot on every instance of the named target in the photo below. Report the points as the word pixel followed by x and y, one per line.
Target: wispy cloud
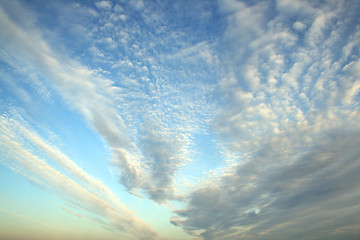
pixel 87 192
pixel 271 88
pixel 95 98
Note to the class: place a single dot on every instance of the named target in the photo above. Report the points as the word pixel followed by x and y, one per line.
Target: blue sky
pixel 179 119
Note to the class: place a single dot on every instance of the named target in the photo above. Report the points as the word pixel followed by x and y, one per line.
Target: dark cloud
pixel 164 152
pixel 311 196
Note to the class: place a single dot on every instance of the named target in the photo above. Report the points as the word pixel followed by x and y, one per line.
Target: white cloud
pixel 96 99
pixel 84 90
pixel 118 8
pixel 283 71
pixel 289 86
pixel 201 51
pixel 22 160
pixel 299 26
pixel 137 4
pixel 104 5
pixel 238 24
pixel 295 7
pixel 287 118
pixel 15 129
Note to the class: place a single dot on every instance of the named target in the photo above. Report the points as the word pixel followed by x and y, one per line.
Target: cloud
pixel 17 130
pixel 277 71
pixel 104 5
pixel 164 153
pixel 273 85
pixel 295 7
pixel 137 4
pixel 278 194
pixel 39 171
pixel 112 108
pixel 286 117
pixel 238 25
pixel 83 89
pixel 299 26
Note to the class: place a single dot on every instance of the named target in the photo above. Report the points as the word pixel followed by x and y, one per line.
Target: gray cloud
pixel 309 196
pixel 163 156
pixel 292 118
pixel 287 107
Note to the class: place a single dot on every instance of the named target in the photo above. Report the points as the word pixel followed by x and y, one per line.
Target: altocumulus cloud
pixel 292 90
pixel 272 86
pixel 93 97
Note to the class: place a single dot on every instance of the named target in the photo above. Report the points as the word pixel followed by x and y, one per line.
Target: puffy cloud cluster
pixel 276 82
pixel 291 94
pixel 148 166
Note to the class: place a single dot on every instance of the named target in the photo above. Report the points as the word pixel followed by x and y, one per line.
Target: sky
pixel 179 120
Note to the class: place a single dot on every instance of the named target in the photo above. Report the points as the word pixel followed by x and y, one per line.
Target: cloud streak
pixel 93 196
pixel 94 97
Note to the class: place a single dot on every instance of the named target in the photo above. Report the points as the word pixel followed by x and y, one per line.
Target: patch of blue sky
pixel 14 186
pixel 81 143
pixel 68 128
pixel 206 155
